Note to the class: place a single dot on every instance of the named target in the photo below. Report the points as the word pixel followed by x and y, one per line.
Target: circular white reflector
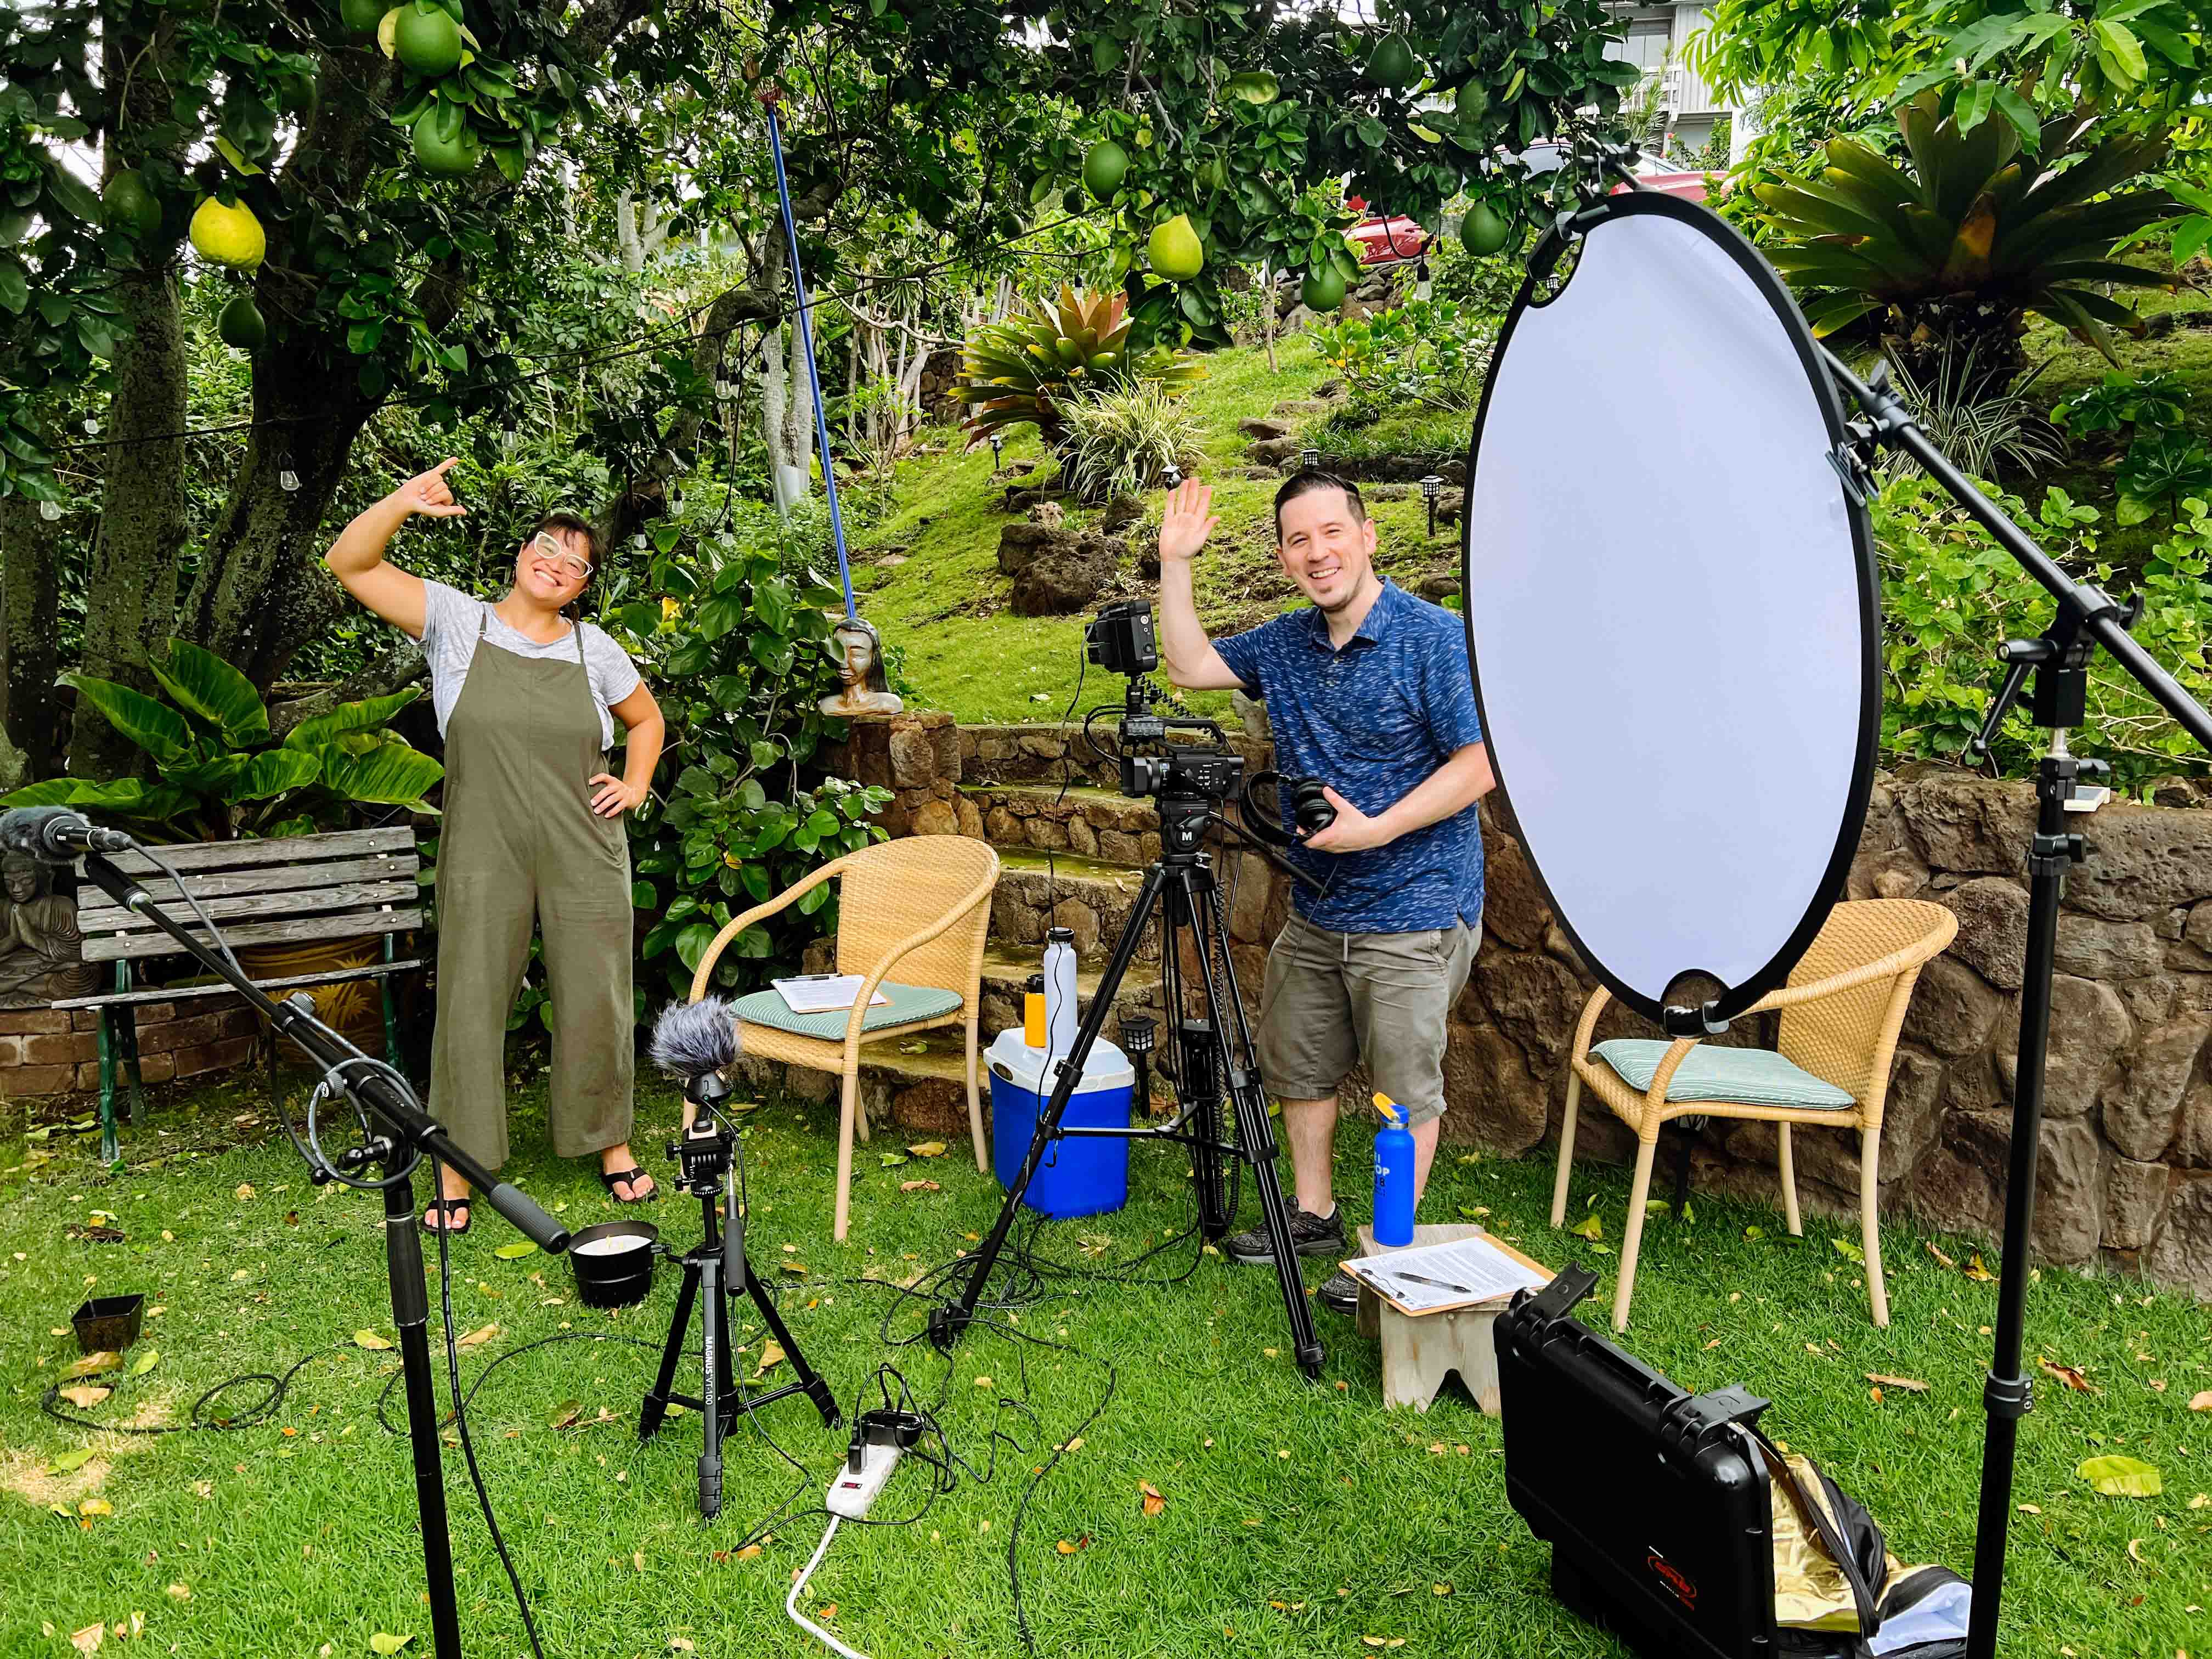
pixel 1671 608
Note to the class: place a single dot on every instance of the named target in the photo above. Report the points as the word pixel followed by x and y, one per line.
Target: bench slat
pixel 258 906
pixel 294 849
pixel 297 930
pixel 292 982
pixel 94 902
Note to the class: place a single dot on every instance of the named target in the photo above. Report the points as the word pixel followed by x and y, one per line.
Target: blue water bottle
pixel 1394 1175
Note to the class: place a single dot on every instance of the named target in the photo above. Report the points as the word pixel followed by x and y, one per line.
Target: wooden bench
pixel 350 884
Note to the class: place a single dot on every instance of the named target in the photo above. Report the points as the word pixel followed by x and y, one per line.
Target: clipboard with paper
pixel 1454 1273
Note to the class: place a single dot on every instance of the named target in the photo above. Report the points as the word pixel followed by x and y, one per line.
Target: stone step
pixel 1090 898
pixel 1007 968
pixel 1100 824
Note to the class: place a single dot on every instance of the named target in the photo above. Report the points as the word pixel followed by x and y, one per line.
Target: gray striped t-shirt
pixel 450 621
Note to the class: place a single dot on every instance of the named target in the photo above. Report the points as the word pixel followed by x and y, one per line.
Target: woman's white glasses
pixel 546 546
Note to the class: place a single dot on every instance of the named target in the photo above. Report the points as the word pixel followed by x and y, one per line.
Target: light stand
pixel 715 1271
pixel 2058 662
pixel 404 1134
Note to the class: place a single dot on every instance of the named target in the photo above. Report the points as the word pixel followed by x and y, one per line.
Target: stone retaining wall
pixel 2127 1141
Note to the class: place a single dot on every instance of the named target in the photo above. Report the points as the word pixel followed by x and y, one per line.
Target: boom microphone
pixel 55 834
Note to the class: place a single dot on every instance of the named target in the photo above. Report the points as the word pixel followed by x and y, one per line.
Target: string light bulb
pixel 50 511
pixel 288 479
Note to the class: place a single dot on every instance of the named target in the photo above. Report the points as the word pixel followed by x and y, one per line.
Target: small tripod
pixel 1208 1058
pixel 714 1270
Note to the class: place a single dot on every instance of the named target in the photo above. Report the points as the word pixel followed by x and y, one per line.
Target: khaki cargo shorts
pixel 1330 998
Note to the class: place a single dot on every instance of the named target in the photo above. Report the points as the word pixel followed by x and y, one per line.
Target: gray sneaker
pixel 1340 1293
pixel 1310 1235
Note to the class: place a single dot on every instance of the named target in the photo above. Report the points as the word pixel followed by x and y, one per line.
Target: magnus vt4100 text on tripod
pixel 1191 784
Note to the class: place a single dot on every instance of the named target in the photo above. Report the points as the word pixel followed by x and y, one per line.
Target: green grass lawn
pixel 1299 1518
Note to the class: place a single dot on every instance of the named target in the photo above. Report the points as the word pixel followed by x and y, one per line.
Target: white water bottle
pixel 1059 1019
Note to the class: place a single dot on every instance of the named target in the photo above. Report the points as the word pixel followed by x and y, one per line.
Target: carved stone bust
pixel 40 960
pixel 858 651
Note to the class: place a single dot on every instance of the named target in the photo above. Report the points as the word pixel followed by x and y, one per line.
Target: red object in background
pixel 1688 184
pixel 1386 238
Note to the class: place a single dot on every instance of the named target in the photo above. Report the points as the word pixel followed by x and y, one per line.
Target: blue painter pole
pixel 806 326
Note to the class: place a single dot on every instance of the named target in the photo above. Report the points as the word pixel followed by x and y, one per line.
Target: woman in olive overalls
pixel 527 696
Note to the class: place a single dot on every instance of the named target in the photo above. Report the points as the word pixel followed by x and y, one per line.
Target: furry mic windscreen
pixel 692 1039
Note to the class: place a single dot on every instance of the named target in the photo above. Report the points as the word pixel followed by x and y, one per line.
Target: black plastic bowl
pixel 613 1262
pixel 109 1322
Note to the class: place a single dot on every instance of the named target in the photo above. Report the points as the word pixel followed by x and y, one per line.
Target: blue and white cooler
pixel 1082 1177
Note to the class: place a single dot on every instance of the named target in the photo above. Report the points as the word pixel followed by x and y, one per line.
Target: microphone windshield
pixel 23 829
pixel 692 1039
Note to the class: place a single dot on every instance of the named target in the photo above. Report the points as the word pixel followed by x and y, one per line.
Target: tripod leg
pixel 817 1389
pixel 657 1397
pixel 714 1361
pixel 947 1323
pixel 1256 1139
pixel 410 1313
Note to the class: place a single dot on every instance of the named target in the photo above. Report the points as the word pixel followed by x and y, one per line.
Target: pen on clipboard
pixel 1440 1284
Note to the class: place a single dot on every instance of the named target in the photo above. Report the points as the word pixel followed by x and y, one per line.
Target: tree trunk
pixel 799 418
pixel 1268 313
pixel 131 590
pixel 30 571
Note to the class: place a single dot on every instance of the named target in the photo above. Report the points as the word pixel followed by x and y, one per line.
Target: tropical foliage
pixel 1951 250
pixel 1127 439
pixel 220 772
pixel 1432 353
pixel 1026 370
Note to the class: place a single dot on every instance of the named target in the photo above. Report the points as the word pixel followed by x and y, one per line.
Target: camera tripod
pixel 1213 1051
pixel 714 1271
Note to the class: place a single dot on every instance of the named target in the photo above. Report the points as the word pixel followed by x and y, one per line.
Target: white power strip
pixel 851 1494
pixel 849 1499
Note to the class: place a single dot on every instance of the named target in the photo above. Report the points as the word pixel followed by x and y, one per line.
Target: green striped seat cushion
pixel 1742 1077
pixel 908 1003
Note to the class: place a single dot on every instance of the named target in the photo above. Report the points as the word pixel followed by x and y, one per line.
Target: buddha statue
pixel 40 960
pixel 858 651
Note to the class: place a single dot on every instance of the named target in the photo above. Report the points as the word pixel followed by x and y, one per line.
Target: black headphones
pixel 1309 808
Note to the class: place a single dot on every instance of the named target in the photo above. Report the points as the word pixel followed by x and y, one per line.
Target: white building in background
pixel 1658 39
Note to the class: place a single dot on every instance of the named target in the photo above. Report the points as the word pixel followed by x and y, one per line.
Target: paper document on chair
pixel 1457 1273
pixel 823 994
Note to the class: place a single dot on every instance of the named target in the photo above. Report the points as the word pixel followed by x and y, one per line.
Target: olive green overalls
pixel 519 837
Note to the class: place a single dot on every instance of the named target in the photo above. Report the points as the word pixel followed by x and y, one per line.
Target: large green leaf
pixel 363 716
pixel 395 774
pixel 199 680
pixel 210 776
pixel 272 772
pixel 152 726
pixel 130 797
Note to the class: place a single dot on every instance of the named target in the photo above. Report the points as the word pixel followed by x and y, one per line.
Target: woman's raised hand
pixel 428 493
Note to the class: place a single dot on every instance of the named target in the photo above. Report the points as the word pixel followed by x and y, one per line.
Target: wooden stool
pixel 1419 1352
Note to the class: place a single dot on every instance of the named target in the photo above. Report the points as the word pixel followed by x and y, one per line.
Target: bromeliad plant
pixel 1954 251
pixel 219 775
pixel 1024 370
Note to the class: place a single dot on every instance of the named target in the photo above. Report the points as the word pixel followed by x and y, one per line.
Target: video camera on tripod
pixel 1189 781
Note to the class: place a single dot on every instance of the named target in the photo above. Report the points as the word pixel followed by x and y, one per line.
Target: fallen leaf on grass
pixel 1975 1270
pixel 1942 1260
pixel 2070 1375
pixel 1067 1549
pixel 2200 1501
pixel 476 1338
pixel 1910 1384
pixel 1588 1227
pixel 918 1187
pixel 2121 1477
pixel 180 1592
pixel 245 1191
pixel 93 1364
pixel 771 1355
pixel 2201 1402
pixel 85 1396
pixel 892 1160
pixel 748 1552
pixel 145 1362
pixel 386 1644
pixel 2135 1551
pixel 928 1148
pixel 564 1414
pixel 795 1268
pixel 515 1250
pixel 1440 1589
pixel 1849 1251
pixel 93 1506
pixel 70 1460
pixel 682 1644
pixel 88 1639
pixel 1153 1503
pixel 369 1340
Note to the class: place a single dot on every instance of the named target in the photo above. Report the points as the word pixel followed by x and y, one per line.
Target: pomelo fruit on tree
pixel 1484 230
pixel 1324 288
pixel 130 203
pixel 361 16
pixel 447 157
pixel 428 41
pixel 241 325
pixel 1103 166
pixel 1176 253
pixel 228 236
pixel 1391 63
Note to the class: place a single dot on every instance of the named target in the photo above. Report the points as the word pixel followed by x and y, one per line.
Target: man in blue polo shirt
pixel 1367 689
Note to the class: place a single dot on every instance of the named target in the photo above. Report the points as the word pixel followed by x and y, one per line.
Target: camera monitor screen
pixel 1671 608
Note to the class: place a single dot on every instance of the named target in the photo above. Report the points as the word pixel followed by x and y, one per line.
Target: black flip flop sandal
pixel 444 1208
pixel 631 1177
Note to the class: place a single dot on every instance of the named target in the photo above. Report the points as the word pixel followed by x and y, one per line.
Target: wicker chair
pixel 1842 1010
pixel 921 904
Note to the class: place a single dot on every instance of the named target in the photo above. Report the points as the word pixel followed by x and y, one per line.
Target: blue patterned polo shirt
pixel 1373 721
